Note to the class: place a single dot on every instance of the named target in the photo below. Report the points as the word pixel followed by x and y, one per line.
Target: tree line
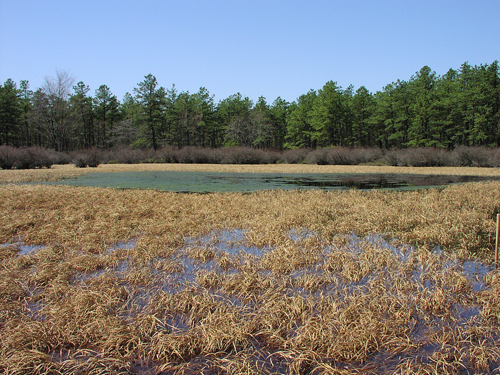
pixel 460 108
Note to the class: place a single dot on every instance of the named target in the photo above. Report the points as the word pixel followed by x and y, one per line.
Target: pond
pixel 205 182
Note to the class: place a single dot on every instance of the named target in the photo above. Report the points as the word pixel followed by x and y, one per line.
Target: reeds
pixel 269 282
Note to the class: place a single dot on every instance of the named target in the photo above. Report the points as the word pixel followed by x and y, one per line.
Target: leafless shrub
pixel 26 158
pixel 166 154
pixel 198 155
pixel 34 157
pixel 92 157
pixel 495 157
pixel 319 156
pixel 246 155
pixel 127 155
pixel 272 157
pixel 426 157
pixel 475 157
pixel 58 157
pixel 419 157
pixel 366 155
pixel 7 157
pixel 295 156
pixel 392 157
pixel 343 156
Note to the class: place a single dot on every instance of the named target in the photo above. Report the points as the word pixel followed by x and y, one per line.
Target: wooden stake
pixel 496 242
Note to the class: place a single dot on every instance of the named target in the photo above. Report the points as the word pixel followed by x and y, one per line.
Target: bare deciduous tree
pixel 58 124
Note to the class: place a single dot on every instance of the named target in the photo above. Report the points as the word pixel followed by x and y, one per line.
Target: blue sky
pixel 258 48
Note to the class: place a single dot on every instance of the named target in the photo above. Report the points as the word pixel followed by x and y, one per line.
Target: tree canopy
pixel 462 107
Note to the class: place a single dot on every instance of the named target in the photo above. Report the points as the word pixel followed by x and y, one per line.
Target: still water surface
pixel 204 182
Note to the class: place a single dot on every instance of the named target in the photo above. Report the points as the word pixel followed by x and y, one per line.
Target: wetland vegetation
pixel 96 280
pixel 204 182
pixel 274 281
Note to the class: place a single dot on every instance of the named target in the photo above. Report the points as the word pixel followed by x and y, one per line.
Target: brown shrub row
pixel 412 157
pixel 194 155
pixel 35 157
pixel 30 157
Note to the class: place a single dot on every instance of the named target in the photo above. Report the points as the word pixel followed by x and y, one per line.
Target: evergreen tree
pixel 331 117
pixel 460 108
pixel 261 122
pixel 382 119
pixel 83 107
pixel 126 130
pixel 39 118
pixel 423 86
pixel 279 111
pixel 26 96
pixel 106 113
pixel 194 119
pixel 402 100
pixel 362 107
pixel 152 100
pixel 299 129
pixel 234 114
pixel 487 83
pixel 186 125
pixel 207 132
pixel 172 133
pixel 445 107
pixel 10 113
pixel 466 103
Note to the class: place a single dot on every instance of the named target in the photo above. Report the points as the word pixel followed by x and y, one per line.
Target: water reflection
pixel 380 181
pixel 202 182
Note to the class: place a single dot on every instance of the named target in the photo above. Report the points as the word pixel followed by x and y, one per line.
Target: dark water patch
pixel 465 313
pixel 383 181
pixel 34 310
pixel 205 182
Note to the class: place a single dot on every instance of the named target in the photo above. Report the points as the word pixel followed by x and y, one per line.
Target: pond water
pixel 204 182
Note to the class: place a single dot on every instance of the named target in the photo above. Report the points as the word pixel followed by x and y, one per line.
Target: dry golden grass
pixel 309 297
pixel 55 173
pixel 460 217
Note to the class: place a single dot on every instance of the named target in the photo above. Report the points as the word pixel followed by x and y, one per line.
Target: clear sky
pixel 264 48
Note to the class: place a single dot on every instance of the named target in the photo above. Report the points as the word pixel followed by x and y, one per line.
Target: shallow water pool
pixel 204 182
